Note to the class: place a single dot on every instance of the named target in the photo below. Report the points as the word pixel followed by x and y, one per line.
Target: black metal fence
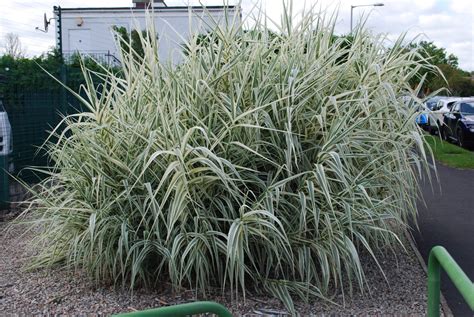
pixel 107 58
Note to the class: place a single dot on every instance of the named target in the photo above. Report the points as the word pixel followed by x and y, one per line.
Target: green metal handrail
pixel 182 310
pixel 440 258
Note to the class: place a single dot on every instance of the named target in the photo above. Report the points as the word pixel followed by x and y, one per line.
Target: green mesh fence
pixel 34 107
pixel 33 114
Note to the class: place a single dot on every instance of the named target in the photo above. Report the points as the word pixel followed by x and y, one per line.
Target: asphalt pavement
pixel 446 218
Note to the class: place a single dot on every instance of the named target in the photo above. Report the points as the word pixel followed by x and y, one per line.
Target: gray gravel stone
pixel 65 292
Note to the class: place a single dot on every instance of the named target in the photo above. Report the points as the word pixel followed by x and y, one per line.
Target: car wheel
pixel 460 136
pixel 439 128
pixel 444 133
pixel 432 130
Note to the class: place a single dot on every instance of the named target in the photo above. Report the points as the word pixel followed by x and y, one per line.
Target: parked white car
pixel 435 118
pixel 433 101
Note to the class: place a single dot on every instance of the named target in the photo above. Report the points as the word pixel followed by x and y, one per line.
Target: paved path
pixel 448 220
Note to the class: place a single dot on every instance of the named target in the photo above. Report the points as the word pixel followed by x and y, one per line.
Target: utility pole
pixel 364 5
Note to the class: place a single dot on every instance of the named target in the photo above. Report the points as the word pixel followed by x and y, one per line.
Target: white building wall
pixel 90 31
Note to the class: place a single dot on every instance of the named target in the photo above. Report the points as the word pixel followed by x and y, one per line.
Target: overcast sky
pixel 449 23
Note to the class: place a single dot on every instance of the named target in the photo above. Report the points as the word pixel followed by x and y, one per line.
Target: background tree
pixel 457 81
pixel 436 55
pixel 130 41
pixel 12 46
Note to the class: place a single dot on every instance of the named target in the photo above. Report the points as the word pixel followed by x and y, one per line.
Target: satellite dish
pixel 46 23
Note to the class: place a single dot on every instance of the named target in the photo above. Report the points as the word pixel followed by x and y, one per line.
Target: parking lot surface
pixel 447 218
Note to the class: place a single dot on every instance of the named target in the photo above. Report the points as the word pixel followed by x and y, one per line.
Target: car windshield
pixel 467 108
pixel 431 104
pixel 450 104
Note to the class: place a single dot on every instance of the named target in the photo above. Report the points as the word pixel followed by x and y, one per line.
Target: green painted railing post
pixel 440 258
pixel 434 285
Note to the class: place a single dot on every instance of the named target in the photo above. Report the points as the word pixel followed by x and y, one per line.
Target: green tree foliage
pixel 35 73
pixel 435 55
pixel 22 77
pixel 130 42
pixel 28 75
pixel 204 41
pixel 456 80
pixel 459 82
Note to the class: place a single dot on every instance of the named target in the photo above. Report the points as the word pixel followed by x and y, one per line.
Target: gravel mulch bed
pixel 64 292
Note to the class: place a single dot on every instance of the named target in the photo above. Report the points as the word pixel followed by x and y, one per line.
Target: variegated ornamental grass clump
pixel 265 161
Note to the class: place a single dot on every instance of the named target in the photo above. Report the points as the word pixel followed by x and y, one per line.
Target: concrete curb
pixel 444 304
